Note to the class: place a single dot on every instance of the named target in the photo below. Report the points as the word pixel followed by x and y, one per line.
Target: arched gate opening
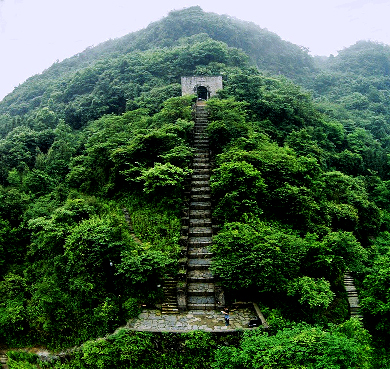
pixel 202 93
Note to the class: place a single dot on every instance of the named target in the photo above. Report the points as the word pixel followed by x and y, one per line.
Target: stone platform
pixel 208 321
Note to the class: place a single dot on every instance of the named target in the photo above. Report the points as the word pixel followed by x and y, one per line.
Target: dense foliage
pixel 343 346
pixel 300 188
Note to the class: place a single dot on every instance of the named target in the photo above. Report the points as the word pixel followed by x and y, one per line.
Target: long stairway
pixel 200 281
pixel 169 306
pixel 353 298
pixel 3 361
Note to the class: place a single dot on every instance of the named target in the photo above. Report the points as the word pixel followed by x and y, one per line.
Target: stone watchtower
pixel 203 87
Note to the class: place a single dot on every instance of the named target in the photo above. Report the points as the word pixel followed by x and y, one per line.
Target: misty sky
pixel 36 33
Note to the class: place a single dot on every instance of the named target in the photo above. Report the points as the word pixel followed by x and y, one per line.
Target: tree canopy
pixel 300 149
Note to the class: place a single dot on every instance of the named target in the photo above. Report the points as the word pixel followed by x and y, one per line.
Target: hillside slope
pixel 266 51
pixel 300 183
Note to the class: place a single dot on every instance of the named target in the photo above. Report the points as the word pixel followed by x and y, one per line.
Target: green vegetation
pixel 300 187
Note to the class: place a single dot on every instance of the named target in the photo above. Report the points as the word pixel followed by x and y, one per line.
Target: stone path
pixel 353 298
pixel 3 361
pixel 200 281
pixel 208 321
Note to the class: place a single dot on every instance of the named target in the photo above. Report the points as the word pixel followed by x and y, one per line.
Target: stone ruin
pixel 203 87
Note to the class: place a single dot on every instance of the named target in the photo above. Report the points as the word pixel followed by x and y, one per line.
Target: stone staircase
pixel 353 298
pixel 3 361
pixel 170 306
pixel 200 281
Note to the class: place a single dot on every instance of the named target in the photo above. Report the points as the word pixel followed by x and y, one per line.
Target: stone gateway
pixel 203 87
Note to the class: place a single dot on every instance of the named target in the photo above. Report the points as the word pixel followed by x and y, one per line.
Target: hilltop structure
pixel 202 86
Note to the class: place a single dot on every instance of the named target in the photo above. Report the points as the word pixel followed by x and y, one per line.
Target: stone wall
pixel 189 85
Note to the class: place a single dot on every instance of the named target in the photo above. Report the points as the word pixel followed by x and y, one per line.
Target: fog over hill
pixel 113 184
pixel 36 32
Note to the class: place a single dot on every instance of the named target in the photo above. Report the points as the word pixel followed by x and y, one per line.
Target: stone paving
pixel 208 321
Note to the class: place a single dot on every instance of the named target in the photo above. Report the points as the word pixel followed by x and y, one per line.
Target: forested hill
pixel 265 49
pixel 300 190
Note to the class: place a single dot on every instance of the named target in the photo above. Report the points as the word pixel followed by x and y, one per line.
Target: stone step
pixel 199 213
pixel 201 165
pixel 201 276
pixel 169 310
pixel 201 160
pixel 202 222
pixel 201 168
pixel 200 197
pixel 184 230
pixel 201 128
pixel 199 183
pixel 199 264
pixel 200 177
pixel 168 292
pixel 200 231
pixel 201 171
pixel 170 279
pixel 199 242
pixel 201 157
pixel 199 253
pixel 201 143
pixel 201 190
pixel 169 305
pixel 201 151
pixel 200 205
pixel 202 146
pixel 201 289
pixel 198 154
pixel 169 284
pixel 348 287
pixel 172 301
pixel 185 221
pixel 183 241
pixel 206 307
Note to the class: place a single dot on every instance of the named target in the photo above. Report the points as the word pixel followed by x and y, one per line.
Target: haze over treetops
pixel 300 189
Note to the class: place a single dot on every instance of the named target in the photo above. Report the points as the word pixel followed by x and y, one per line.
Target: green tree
pixel 257 256
pixel 239 188
pixel 301 346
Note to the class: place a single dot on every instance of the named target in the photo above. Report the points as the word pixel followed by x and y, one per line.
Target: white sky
pixel 35 33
